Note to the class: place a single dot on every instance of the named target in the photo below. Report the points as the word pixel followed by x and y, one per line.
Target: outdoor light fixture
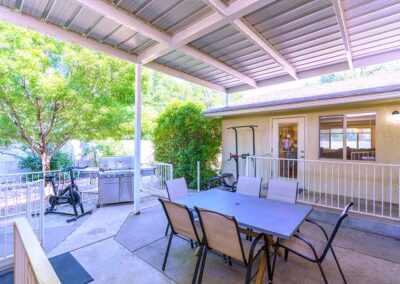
pixel 396 115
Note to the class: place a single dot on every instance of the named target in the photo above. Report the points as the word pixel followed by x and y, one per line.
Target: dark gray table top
pixel 263 215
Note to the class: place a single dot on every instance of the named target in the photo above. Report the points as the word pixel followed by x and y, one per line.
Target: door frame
pixel 283 117
pixel 300 168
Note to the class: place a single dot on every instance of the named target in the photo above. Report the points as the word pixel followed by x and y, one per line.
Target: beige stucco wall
pixel 387 135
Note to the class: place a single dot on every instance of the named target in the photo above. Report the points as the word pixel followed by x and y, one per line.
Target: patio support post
pixel 226 99
pixel 138 128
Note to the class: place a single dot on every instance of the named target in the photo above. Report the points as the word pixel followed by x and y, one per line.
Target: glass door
pixel 288 147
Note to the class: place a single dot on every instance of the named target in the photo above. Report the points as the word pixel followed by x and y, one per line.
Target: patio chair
pixel 176 188
pixel 282 190
pixel 182 224
pixel 312 250
pixel 221 234
pixel 249 186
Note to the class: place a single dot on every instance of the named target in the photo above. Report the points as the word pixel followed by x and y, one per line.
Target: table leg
pixel 261 269
pixel 265 262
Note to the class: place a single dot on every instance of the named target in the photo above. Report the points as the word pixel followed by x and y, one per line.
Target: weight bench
pixel 221 179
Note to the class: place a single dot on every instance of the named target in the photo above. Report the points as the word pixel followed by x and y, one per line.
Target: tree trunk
pixel 45 162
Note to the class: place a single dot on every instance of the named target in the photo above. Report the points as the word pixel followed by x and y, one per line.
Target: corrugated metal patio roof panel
pixel 304 32
pixel 374 26
pixel 305 35
pixel 166 15
pixel 192 66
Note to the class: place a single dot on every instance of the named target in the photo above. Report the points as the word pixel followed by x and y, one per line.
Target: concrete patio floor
pixel 115 246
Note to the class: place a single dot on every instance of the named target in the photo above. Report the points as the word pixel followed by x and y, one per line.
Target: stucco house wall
pixel 387 141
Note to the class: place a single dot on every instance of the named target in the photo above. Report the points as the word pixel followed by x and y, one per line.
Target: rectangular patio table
pixel 263 215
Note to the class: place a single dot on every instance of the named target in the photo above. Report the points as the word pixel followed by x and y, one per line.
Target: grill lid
pixel 116 163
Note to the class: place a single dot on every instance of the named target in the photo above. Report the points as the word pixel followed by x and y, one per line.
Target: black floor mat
pixel 67 268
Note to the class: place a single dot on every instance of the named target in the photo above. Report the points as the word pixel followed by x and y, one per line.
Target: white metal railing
pixel 374 188
pixel 20 197
pixel 155 184
pixel 363 156
pixel 30 262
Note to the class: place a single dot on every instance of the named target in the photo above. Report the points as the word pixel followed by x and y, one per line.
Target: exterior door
pixel 288 147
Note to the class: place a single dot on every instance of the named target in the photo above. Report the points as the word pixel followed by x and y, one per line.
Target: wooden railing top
pixel 41 267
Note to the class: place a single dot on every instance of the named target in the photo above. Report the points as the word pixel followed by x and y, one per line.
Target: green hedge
pixel 183 136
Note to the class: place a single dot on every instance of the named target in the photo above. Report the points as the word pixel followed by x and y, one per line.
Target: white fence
pixel 155 184
pixel 20 197
pixel 374 188
pixel 29 260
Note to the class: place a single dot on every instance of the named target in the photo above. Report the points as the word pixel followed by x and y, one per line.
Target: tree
pixel 52 91
pixel 183 136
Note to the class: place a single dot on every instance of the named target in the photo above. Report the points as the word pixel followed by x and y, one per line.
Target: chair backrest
pixel 249 186
pixel 282 190
pixel 181 220
pixel 221 233
pixel 177 188
pixel 336 228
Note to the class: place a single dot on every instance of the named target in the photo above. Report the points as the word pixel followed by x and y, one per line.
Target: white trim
pixel 324 102
pixel 337 6
pixel 125 19
pixel 181 75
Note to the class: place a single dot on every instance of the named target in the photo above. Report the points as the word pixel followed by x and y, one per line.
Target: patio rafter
pixel 252 34
pixel 35 24
pixel 337 6
pixel 138 25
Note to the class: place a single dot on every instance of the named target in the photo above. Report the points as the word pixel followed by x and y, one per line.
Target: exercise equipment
pixel 69 195
pixel 236 156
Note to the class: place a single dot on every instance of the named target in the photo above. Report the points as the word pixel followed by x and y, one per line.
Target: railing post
pixel 41 212
pixel 198 176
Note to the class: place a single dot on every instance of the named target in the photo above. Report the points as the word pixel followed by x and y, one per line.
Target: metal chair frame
pixel 204 248
pixel 317 259
pixel 174 233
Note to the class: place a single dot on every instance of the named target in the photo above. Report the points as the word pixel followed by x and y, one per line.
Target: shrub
pixel 33 162
pixel 183 136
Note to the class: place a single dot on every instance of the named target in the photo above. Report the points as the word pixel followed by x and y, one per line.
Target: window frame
pixel 344 116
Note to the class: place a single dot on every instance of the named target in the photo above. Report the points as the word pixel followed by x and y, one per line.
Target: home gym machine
pixel 236 157
pixel 69 195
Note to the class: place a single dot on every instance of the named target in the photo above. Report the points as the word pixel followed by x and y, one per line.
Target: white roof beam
pixel 252 34
pixel 204 26
pixel 125 19
pixel 337 5
pixel 35 24
pixel 217 64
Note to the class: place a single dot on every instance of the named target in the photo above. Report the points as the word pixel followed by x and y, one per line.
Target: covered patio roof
pixel 225 45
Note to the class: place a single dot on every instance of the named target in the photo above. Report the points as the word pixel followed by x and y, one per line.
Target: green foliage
pixel 95 149
pixel 33 162
pixel 183 136
pixel 52 91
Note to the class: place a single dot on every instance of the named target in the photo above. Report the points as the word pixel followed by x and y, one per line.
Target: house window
pixel 360 137
pixel 331 137
pixel 350 136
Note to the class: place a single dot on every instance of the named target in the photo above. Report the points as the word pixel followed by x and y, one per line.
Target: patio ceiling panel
pixel 185 63
pixel 374 26
pixel 230 45
pixel 169 16
pixel 304 32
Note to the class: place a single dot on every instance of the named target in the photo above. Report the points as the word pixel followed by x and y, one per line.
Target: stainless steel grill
pixel 115 180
